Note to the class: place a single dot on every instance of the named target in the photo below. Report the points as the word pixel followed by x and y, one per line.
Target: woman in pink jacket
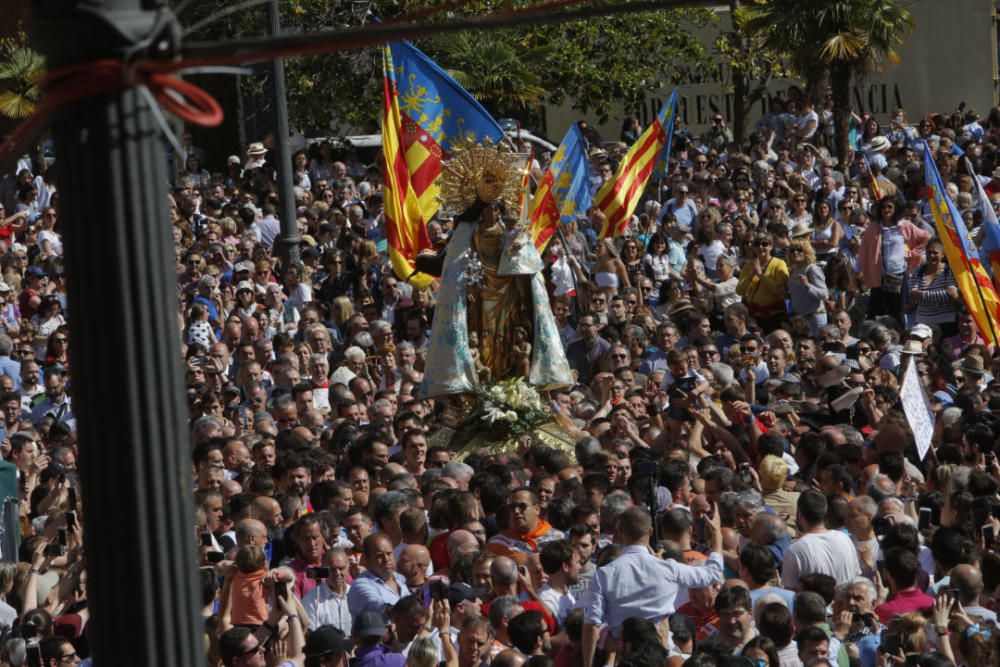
pixel 891 247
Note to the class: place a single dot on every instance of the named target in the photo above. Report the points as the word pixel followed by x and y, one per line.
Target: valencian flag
pixel 563 194
pixel 990 244
pixel 663 162
pixel 963 257
pixel 424 112
pixel 619 196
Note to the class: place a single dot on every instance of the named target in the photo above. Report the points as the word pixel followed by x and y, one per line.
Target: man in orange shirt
pixel 528 531
pixel 700 608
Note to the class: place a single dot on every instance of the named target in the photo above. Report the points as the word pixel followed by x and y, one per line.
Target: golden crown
pixel 481 171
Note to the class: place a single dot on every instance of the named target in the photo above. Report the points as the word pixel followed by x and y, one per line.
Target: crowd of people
pixel 744 488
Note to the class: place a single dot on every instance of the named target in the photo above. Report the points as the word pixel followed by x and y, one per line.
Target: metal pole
pixel 288 241
pixel 127 385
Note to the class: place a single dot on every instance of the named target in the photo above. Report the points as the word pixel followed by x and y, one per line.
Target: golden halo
pixel 481 171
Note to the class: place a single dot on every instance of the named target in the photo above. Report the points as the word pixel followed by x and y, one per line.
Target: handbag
pixel 892 284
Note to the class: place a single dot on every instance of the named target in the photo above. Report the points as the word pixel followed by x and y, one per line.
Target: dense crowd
pixel 744 488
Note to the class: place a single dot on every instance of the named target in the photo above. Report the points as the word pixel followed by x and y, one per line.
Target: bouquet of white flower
pixel 512 405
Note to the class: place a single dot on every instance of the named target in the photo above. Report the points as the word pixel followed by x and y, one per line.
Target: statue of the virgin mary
pixel 491 283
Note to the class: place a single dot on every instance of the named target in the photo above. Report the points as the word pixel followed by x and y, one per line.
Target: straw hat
pixel 800 230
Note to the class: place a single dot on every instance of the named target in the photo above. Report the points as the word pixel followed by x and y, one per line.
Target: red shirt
pixel 706 625
pixel 905 601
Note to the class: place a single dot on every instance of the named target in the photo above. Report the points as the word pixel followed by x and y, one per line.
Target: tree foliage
pixel 841 39
pixel 21 69
pixel 601 65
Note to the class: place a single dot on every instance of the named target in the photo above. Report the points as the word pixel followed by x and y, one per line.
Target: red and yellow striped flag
pixel 619 196
pixel 424 112
pixel 563 194
pixel 963 257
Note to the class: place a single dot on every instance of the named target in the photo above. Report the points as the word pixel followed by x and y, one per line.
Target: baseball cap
pixel 35 271
pixel 327 639
pixel 367 624
pixel 460 591
pixel 921 331
pixel 244 285
pixel 243 266
pixel 4 287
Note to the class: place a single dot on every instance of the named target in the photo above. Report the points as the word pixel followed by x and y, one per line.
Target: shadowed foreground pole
pixel 128 391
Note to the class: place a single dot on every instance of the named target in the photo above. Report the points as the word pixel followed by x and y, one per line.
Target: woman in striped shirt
pixel 935 293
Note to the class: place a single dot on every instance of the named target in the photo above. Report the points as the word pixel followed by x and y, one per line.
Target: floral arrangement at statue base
pixel 509 407
pixel 497 417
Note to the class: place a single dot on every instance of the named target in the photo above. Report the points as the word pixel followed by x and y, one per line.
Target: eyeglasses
pixel 709 353
pixel 619 356
pixel 631 302
pixel 254 651
pixel 70 656
pixel 864 350
pixel 762 244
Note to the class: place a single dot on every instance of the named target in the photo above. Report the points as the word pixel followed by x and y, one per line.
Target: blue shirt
pixel 12 368
pixel 370 593
pixel 685 213
pixel 893 251
pixel 638 583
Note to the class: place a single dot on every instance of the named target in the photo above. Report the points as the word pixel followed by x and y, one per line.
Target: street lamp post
pixel 289 239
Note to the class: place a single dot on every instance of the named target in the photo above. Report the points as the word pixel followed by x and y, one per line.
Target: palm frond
pixel 15 105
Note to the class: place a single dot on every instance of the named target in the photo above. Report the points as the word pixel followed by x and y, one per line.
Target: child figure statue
pixel 522 352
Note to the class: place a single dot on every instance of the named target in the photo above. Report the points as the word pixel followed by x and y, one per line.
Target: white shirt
pixel 325 607
pixel 830 552
pixel 558 604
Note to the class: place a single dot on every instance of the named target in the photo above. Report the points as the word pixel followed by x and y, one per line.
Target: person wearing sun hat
pixel 256 156
pixel 973 371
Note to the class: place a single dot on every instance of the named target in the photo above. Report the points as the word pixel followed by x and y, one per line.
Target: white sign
pixel 917 409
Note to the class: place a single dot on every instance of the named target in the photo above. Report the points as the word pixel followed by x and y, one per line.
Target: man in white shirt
pixel 640 584
pixel 327 603
pixel 561 562
pixel 818 549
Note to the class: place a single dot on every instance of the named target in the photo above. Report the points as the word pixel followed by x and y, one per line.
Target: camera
pixel 318 573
